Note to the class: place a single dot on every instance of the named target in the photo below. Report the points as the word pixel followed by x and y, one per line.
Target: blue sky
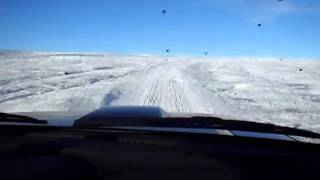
pixel 222 28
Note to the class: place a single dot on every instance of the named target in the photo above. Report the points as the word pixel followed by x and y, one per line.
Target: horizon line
pixel 157 55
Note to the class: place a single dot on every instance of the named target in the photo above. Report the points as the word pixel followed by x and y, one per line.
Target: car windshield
pixel 243 59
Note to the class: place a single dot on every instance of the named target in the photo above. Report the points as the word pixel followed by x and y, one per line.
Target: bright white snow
pixel 267 90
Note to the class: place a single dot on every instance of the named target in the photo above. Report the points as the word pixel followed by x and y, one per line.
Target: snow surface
pixel 284 92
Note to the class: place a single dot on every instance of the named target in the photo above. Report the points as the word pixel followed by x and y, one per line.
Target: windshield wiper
pixel 13 118
pixel 193 122
pixel 238 125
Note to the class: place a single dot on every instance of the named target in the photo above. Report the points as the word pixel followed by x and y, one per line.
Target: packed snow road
pixel 160 85
pixel 285 92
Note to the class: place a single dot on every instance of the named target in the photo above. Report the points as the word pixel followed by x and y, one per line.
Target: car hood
pixel 67 118
pixel 55 118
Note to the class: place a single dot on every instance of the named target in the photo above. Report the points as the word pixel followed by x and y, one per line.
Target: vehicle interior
pixel 34 151
pixel 159 90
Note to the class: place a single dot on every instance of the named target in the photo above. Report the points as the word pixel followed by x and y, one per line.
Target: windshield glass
pixel 246 59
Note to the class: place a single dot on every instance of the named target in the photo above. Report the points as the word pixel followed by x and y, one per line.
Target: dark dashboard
pixel 40 152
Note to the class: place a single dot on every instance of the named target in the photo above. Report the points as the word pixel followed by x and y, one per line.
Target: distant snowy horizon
pixel 106 53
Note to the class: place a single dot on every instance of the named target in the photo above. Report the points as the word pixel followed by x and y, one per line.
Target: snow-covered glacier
pixel 280 91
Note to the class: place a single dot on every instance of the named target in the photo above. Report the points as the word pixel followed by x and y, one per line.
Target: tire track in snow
pixel 179 98
pixel 160 85
pixel 166 91
pixel 152 94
